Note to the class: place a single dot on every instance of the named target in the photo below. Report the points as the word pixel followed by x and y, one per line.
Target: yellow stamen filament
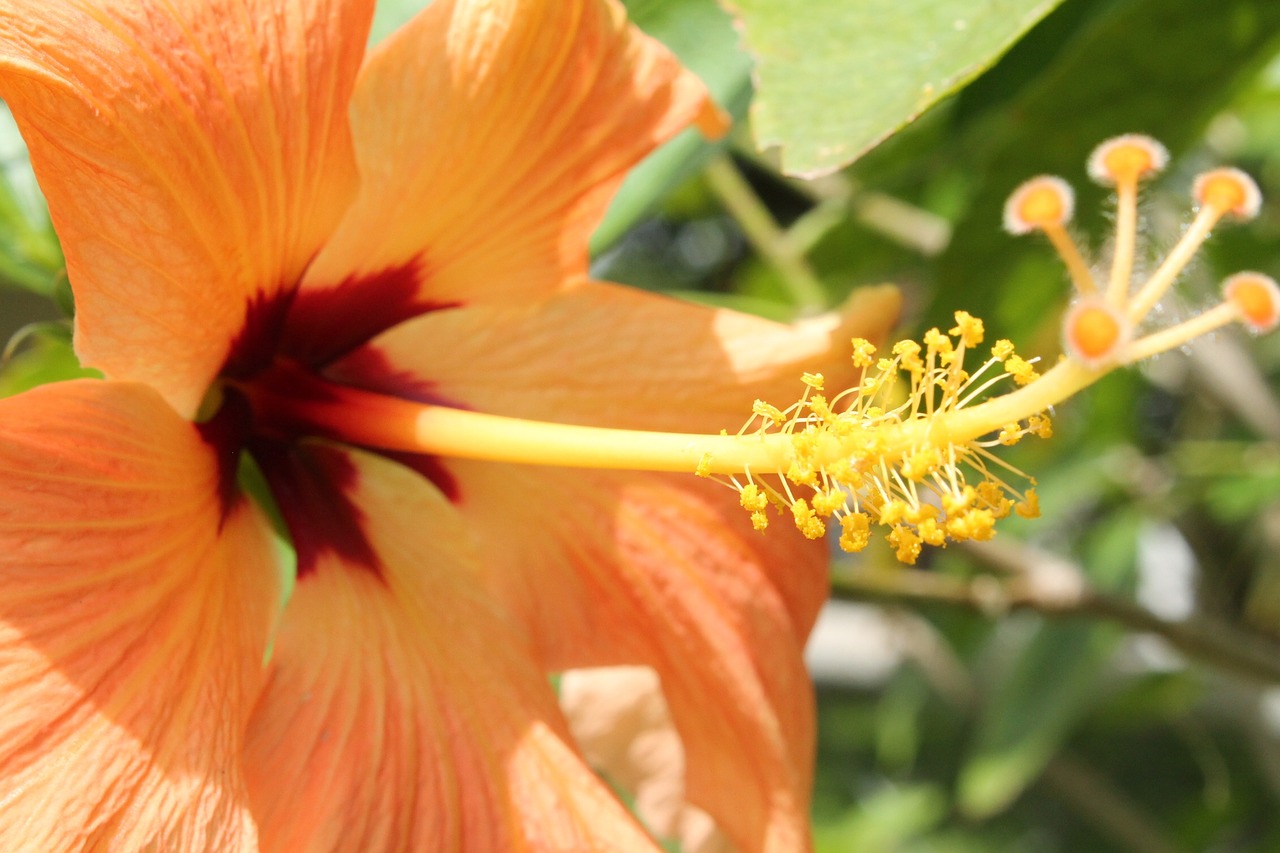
pixel 1126 237
pixel 1175 336
pixel 1221 192
pixel 1176 261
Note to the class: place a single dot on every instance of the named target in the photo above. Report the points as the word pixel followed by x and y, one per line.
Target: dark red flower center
pixel 285 346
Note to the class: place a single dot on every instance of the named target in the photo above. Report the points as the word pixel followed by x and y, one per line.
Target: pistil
pixel 910 448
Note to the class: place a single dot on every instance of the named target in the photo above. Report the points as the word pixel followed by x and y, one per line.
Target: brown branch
pixel 1055 588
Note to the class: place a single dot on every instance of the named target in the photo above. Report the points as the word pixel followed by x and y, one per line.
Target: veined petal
pixel 491 135
pixel 134 616
pixel 404 709
pixel 613 568
pixel 610 568
pixel 606 355
pixel 195 153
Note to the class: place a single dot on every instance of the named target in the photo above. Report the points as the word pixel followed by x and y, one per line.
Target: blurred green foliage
pixel 1003 721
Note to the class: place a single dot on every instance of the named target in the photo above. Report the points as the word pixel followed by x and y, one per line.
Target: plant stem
pixel 765 234
pixel 1200 638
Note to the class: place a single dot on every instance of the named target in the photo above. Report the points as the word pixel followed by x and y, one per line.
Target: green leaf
pixel 30 257
pixel 46 356
pixel 889 819
pixel 836 77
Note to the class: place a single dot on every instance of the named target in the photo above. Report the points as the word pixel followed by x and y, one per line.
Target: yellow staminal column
pixel 922 465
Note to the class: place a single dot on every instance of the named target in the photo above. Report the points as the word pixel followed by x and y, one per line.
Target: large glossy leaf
pixel 836 77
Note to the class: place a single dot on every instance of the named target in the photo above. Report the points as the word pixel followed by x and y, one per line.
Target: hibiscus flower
pixel 258 218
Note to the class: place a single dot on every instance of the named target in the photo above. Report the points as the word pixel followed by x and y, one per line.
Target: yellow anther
pixel 931 532
pixel 873 501
pixel 906 544
pixel 1127 159
pixel 759 521
pixel 908 353
pixel 813 380
pixel 1040 425
pixel 953 503
pixel 1095 332
pixel 704 466
pixel 1256 298
pixel 802 473
pixel 893 512
pixel 969 328
pixel 921 513
pixel 752 499
pixel 975 524
pixel 806 522
pixel 920 462
pixel 826 503
pixel 863 352
pixel 820 408
pixel 1010 433
pixel 843 472
pixel 993 496
pixel 855 531
pixel 936 341
pixel 1228 191
pixel 768 412
pixel 879 454
pixel 1040 203
pixel 1021 370
pixel 1029 506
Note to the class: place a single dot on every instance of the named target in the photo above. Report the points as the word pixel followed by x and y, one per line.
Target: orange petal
pixel 404 709
pixel 611 568
pixel 491 136
pixel 134 616
pixel 612 356
pixel 194 155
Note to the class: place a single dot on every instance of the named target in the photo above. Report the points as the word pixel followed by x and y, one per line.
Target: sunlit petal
pixel 490 137
pixel 194 154
pixel 648 569
pixel 135 607
pixel 609 568
pixel 612 356
pixel 404 709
